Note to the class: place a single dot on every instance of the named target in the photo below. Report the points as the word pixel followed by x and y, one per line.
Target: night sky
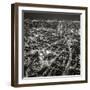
pixel 51 15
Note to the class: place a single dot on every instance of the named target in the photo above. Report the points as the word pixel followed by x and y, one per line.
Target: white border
pixel 51 79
